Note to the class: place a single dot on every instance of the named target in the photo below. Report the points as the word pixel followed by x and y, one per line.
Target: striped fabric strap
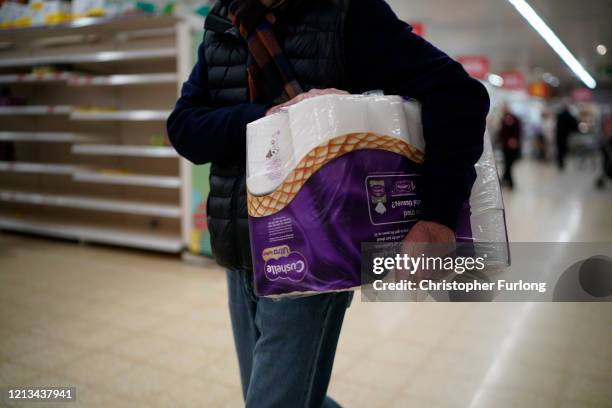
pixel 270 74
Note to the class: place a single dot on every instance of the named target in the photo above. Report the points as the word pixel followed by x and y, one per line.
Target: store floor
pixel 133 329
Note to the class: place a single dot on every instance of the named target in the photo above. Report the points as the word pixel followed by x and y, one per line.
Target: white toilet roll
pixel 412 112
pixel 270 155
pixel 347 114
pixel 386 116
pixel 308 124
pixel 317 120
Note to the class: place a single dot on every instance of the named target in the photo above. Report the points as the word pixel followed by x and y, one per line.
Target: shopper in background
pixel 258 55
pixel 548 127
pixel 566 125
pixel 606 151
pixel 510 134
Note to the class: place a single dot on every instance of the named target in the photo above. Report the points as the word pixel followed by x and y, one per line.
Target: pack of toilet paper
pixel 335 171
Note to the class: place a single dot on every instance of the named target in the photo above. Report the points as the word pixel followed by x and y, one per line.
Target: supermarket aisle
pixel 138 329
pixel 551 207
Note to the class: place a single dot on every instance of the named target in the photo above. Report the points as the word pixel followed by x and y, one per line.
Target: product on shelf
pixel 49 12
pixel 159 140
pixel 16 14
pixel 148 6
pixel 93 8
pixel 203 9
pixel 50 69
pixel 35 13
pixel 106 8
pixel 13 14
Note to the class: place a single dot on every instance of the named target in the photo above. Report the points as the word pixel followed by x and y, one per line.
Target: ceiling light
pixel 495 80
pixel 602 49
pixel 551 38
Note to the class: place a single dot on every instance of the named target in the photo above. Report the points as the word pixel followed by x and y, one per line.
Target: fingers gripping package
pixel 333 171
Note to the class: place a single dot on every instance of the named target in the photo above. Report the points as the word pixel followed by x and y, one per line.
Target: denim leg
pixel 242 307
pixel 294 354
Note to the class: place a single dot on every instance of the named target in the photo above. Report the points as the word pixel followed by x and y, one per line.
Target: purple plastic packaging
pixel 327 175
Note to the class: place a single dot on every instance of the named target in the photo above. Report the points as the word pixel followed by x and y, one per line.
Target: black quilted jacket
pixel 312 40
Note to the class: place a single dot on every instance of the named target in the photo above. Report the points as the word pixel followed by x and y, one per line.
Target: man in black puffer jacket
pixel 286 347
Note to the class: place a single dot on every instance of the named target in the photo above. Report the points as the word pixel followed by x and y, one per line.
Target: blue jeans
pixel 285 347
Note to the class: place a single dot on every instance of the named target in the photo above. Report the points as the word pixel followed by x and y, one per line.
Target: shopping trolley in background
pixel 585 147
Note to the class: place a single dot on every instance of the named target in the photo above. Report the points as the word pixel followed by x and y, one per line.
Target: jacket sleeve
pixel 203 133
pixel 383 53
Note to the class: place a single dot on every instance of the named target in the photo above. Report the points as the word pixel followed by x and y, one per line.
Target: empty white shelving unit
pixel 86 156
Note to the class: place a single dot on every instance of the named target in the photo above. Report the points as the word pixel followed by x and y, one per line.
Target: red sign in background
pixel 514 80
pixel 478 66
pixel 418 28
pixel 582 95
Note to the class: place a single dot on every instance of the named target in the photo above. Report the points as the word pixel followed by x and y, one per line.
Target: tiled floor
pixel 133 329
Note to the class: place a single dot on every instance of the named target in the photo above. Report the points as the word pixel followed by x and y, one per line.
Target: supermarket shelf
pixel 148 53
pixel 35 78
pixel 84 203
pixel 118 80
pixel 93 234
pixel 42 168
pixel 132 115
pixel 127 179
pixel 55 137
pixel 74 79
pixel 123 150
pixel 103 56
pixel 35 110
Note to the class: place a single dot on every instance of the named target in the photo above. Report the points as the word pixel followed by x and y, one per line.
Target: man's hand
pixel 306 95
pixel 428 239
pixel 427 232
